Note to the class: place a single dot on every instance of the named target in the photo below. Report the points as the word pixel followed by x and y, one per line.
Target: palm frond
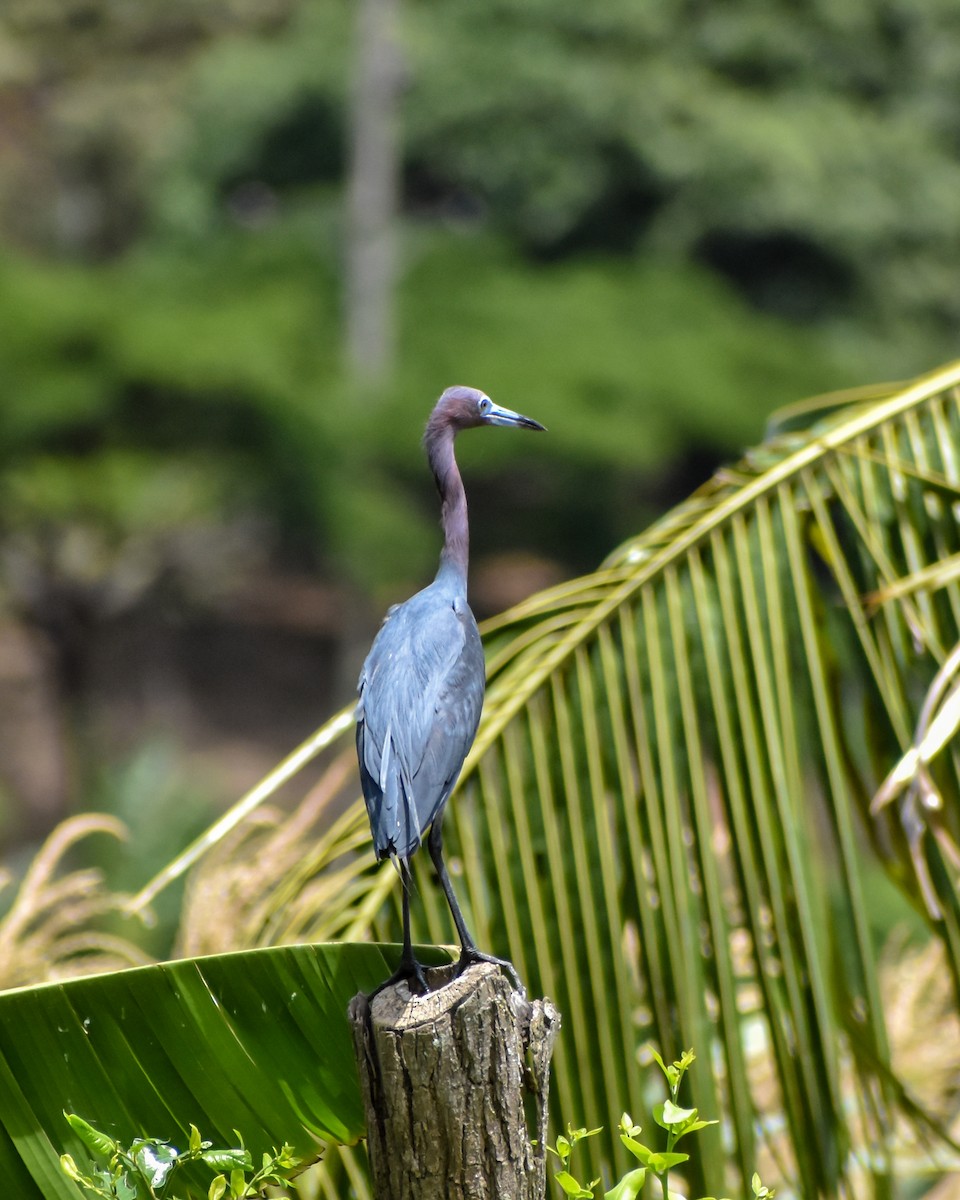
pixel 665 821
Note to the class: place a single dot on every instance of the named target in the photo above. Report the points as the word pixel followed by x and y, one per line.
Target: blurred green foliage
pixel 219 374
pixel 649 225
pixel 163 805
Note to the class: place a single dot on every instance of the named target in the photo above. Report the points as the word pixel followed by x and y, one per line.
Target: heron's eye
pixel 485 405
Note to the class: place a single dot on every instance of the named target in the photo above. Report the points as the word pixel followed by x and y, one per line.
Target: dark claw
pixel 409 970
pixel 471 955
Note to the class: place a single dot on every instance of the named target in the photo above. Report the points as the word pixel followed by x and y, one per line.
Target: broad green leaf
pixel 257 1042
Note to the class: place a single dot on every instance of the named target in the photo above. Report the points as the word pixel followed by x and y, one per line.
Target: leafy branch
pixel 677 1122
pixel 146 1168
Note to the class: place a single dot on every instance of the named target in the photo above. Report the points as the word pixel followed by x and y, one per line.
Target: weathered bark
pixel 446 1081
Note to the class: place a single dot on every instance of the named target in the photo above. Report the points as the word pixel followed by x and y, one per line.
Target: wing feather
pixel 421 692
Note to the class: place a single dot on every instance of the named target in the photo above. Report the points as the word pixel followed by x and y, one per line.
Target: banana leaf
pixel 256 1042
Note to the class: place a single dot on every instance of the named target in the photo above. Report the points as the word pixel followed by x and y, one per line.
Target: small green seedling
pixel 145 1169
pixel 562 1150
pixel 676 1122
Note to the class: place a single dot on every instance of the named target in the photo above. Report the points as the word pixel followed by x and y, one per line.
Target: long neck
pixel 453 518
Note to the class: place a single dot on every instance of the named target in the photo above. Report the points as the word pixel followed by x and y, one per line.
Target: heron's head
pixel 465 408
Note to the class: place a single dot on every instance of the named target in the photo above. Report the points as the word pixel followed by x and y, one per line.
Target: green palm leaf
pixel 693 705
pixel 700 692
pixel 666 822
pixel 257 1042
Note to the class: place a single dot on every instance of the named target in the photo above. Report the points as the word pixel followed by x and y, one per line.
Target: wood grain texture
pixel 455 1087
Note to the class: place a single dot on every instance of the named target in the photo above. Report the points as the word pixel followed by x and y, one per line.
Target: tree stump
pixel 448 1080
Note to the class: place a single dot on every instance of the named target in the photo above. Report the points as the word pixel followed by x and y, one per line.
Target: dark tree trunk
pixel 372 189
pixel 448 1080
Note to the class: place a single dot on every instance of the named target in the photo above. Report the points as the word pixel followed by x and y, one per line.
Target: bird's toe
pixel 410 972
pixel 469 956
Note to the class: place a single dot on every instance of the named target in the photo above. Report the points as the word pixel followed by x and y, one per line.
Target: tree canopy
pixel 648 225
pixel 652 215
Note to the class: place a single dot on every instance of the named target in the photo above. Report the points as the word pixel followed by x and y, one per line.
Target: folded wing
pixel 421 693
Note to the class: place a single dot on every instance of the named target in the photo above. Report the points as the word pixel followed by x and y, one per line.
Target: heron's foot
pixel 410 971
pixel 469 955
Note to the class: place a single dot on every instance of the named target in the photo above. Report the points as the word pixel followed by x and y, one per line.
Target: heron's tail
pixel 394 820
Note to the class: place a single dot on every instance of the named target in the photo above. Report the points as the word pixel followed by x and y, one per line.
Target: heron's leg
pixel 435 846
pixel 468 947
pixel 408 968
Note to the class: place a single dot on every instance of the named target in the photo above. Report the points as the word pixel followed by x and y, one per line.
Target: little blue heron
pixel 421 687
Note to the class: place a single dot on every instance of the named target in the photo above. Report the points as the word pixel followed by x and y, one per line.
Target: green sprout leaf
pixel 671 1073
pixel 627 1126
pixel 286 1159
pixel 573 1187
pixel 69 1168
pixel 236 1159
pixel 629 1187
pixel 678 1121
pixel 218 1188
pixel 155 1161
pixel 123 1189
pixel 694 1126
pixel 92 1138
pixel 639 1151
pixel 664 1161
pixel 668 1115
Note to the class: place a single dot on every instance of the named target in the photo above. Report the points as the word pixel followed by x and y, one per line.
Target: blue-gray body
pixel 421 693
